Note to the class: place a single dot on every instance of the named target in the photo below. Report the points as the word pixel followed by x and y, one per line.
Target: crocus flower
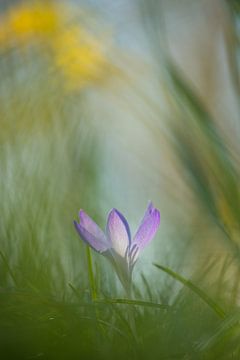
pixel 116 243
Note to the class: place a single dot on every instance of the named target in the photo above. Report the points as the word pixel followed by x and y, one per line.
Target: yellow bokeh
pixel 79 56
pixel 72 50
pixel 30 21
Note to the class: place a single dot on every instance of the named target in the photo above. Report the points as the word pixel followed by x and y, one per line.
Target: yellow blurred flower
pixel 79 57
pixel 28 21
pixel 36 20
pixel 75 53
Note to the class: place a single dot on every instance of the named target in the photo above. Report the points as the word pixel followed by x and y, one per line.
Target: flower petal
pixel 118 232
pixel 147 228
pixel 91 233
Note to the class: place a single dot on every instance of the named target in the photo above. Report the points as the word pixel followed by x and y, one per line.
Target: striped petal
pixel 147 228
pixel 118 232
pixel 91 233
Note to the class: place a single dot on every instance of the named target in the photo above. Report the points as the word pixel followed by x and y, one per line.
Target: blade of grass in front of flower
pixel 211 303
pixel 91 273
pixel 133 302
pixel 93 288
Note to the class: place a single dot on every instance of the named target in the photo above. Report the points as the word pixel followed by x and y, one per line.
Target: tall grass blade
pixel 211 303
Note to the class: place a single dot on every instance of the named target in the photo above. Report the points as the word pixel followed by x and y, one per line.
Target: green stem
pixel 128 290
pixel 91 274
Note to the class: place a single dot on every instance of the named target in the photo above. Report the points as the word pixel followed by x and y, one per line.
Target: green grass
pixel 60 300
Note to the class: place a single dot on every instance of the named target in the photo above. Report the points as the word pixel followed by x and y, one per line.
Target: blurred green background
pixel 111 104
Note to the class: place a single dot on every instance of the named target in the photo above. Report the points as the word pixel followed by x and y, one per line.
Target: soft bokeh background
pixel 112 104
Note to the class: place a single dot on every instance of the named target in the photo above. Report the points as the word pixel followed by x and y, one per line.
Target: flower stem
pixel 131 319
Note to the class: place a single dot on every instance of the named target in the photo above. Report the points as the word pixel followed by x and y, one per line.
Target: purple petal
pixel 118 232
pixel 91 233
pixel 147 228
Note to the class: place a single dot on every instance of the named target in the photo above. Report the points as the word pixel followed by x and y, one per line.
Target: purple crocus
pixel 116 243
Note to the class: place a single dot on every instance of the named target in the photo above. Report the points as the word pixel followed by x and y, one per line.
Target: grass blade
pixel 211 303
pixel 91 274
pixel 132 302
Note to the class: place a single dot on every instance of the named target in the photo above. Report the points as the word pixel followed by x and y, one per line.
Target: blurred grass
pixel 59 300
pixel 213 172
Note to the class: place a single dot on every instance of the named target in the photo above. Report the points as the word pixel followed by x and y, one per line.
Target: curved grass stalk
pixel 132 302
pixel 211 303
